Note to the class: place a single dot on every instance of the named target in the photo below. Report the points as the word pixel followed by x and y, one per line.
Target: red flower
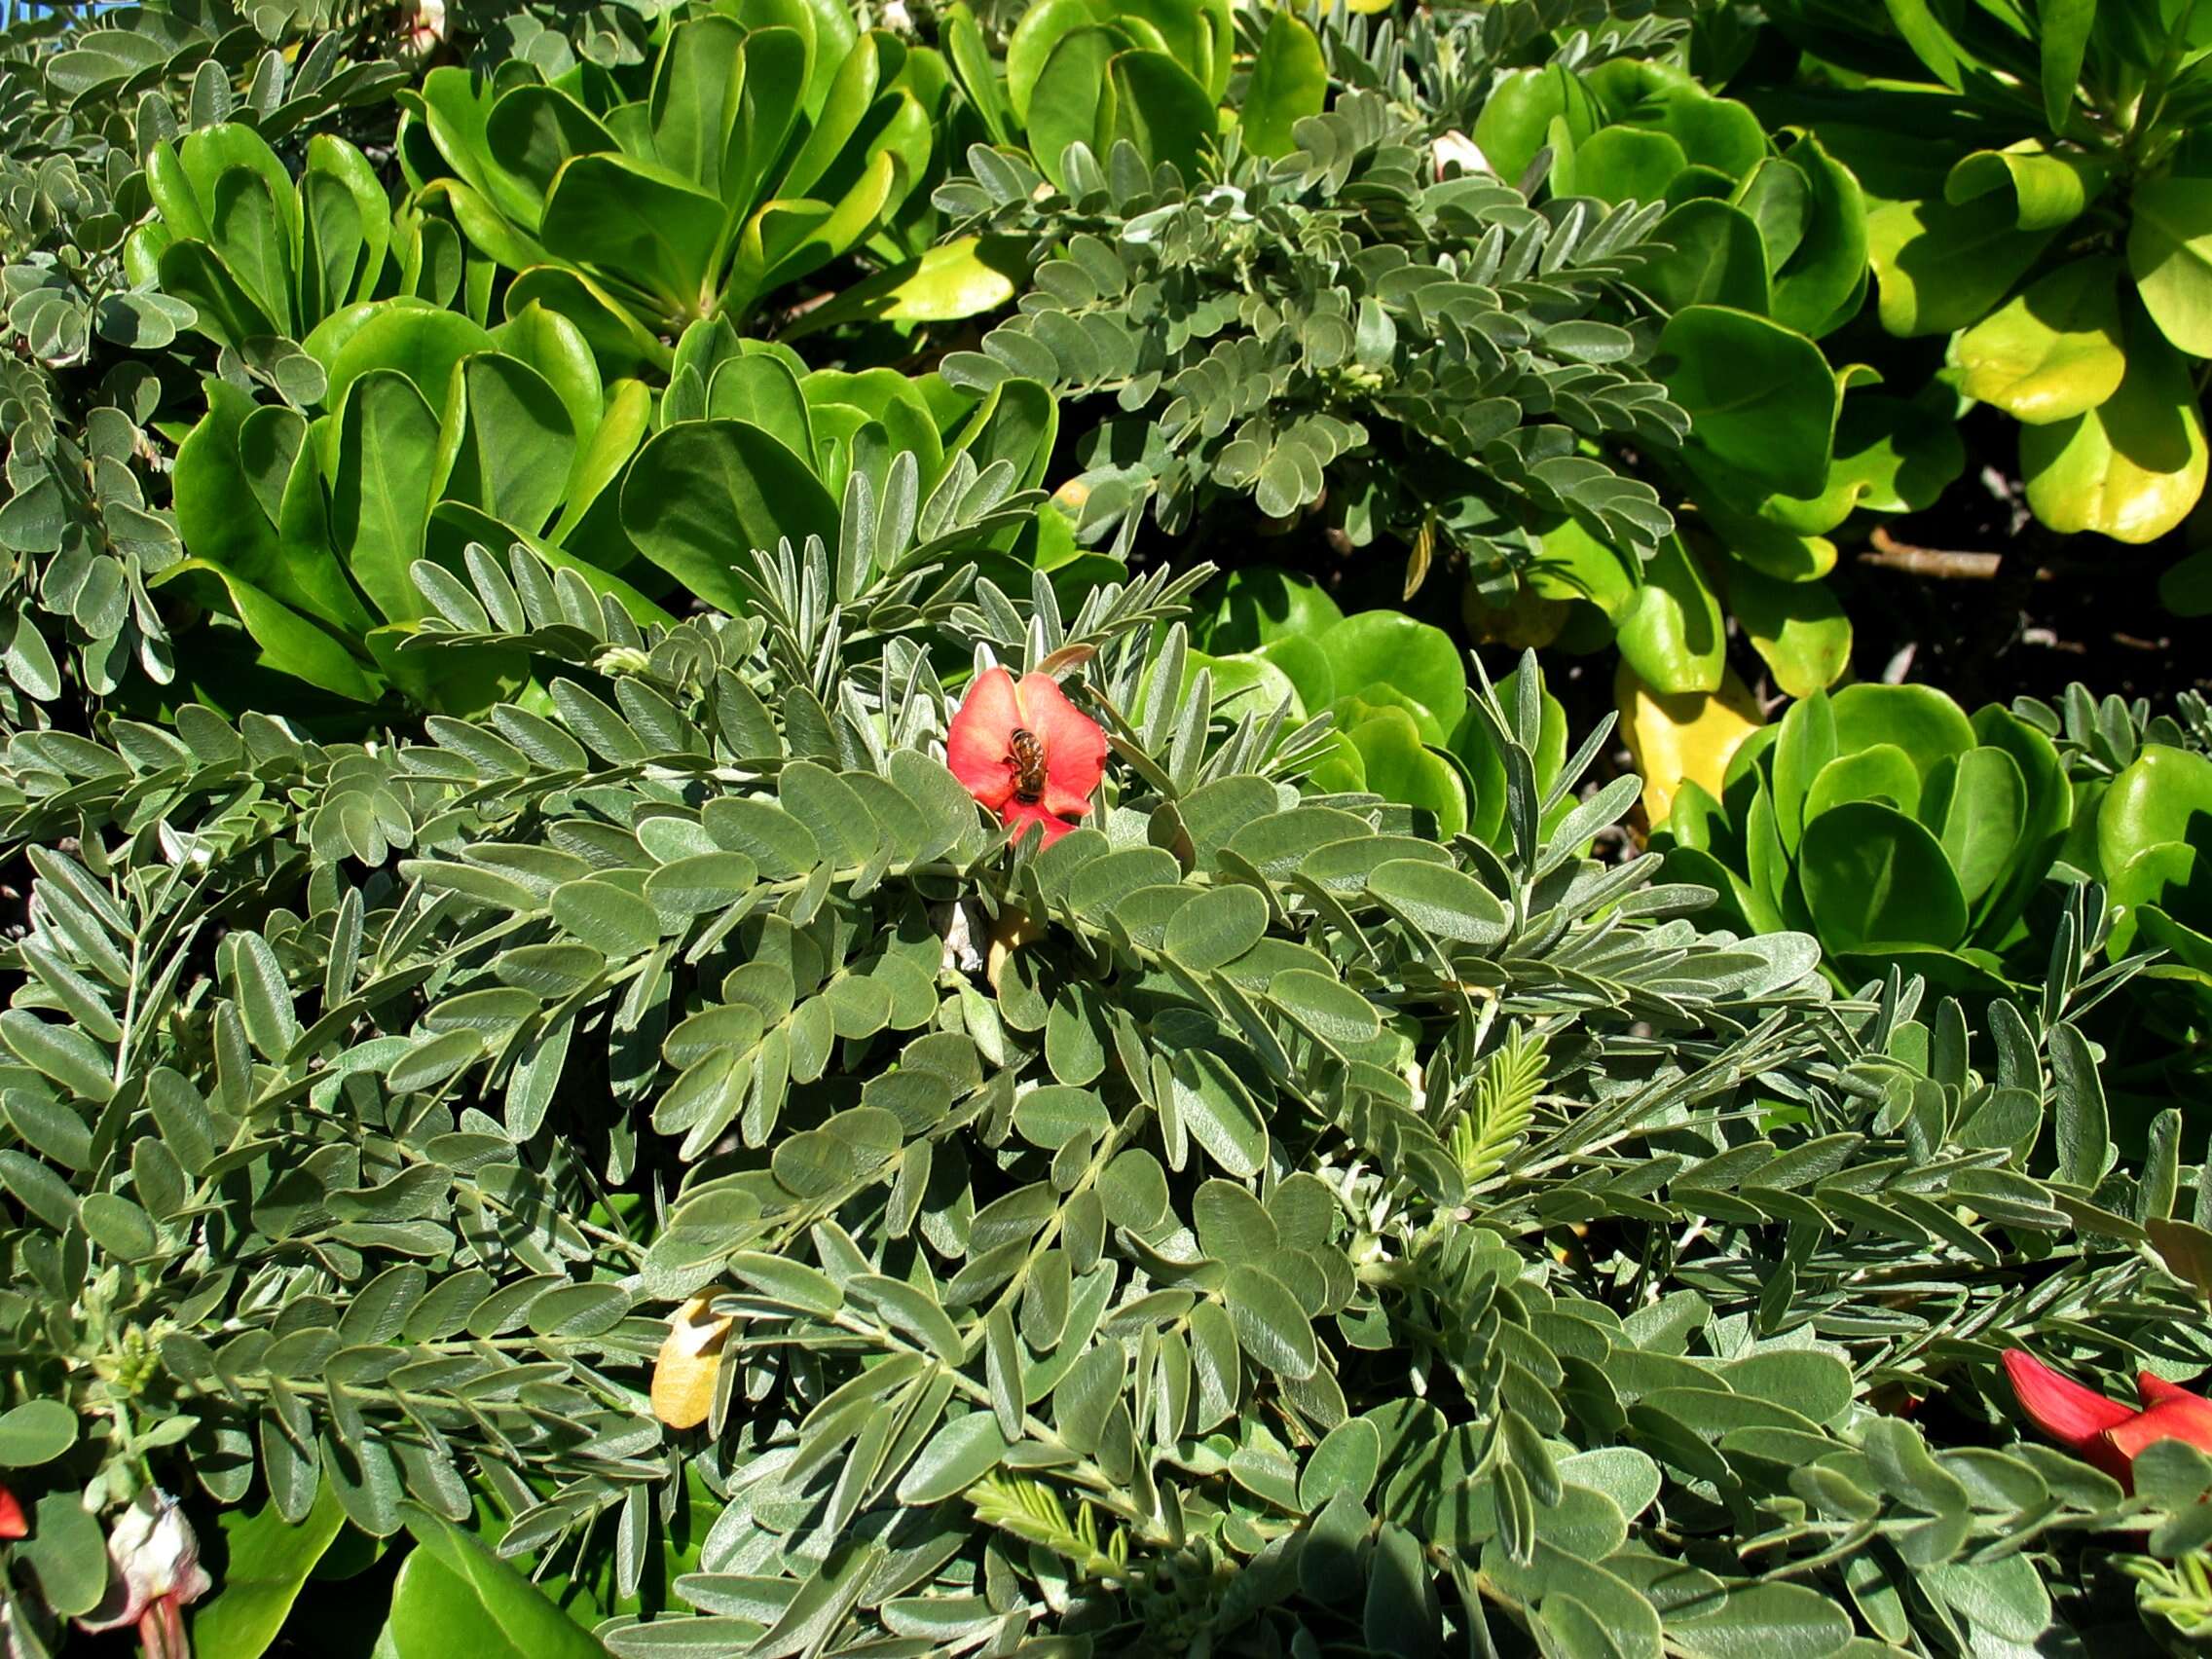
pixel 2104 1432
pixel 1026 752
pixel 12 1521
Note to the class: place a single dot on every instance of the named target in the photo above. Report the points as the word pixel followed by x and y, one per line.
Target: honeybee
pixel 1028 766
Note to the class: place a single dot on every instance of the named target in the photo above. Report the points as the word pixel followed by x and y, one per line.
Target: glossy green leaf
pixel 1672 635
pixel 2049 191
pixel 1718 259
pixel 454 1594
pixel 1760 397
pixel 268 1561
pixel 704 492
pixel 1289 82
pixel 2053 350
pixel 1982 814
pixel 2130 468
pixel 1799 629
pixel 1873 877
pixel 2169 254
pixel 1941 267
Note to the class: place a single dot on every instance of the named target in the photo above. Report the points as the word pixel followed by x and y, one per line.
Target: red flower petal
pixel 2153 1389
pixel 979 744
pixel 1020 815
pixel 12 1521
pixel 2179 1416
pixel 1075 746
pixel 2069 1414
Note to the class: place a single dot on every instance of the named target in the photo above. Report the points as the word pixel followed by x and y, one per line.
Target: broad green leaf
pixel 2169 254
pixel 1941 267
pixel 1719 258
pixel 2049 191
pixel 532 131
pixel 1984 811
pixel 1799 629
pixel 1814 221
pixel 1389 647
pixel 648 222
pixel 622 343
pixel 1672 635
pixel 2053 350
pixel 268 1562
pixel 416 340
pixel 454 1595
pixel 286 643
pixel 1041 29
pixel 2163 795
pixel 515 444
pixel 1873 877
pixel 381 488
pixel 2130 468
pixel 1881 772
pixel 226 470
pixel 2064 25
pixel 35 1432
pixel 1622 163
pixel 1762 399
pixel 1289 82
pixel 1573 564
pixel 1260 605
pixel 1396 762
pixel 1517 115
pixel 703 494
pixel 1068 95
pixel 693 104
pixel 1714 133
pixel 1154 102
pixel 1919 720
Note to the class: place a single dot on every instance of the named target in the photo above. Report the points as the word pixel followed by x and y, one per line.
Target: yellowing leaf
pixel 1690 735
pixel 2130 468
pixel 2053 351
pixel 684 1376
pixel 1009 934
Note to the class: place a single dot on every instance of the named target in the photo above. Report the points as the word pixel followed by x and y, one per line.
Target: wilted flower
pixel 684 1376
pixel 1026 752
pixel 1456 146
pixel 2105 1432
pixel 154 1573
pixel 425 29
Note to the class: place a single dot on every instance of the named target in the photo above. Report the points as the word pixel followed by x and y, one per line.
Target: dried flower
pixel 1456 147
pixel 2103 1431
pixel 154 1573
pixel 1026 752
pixel 684 1376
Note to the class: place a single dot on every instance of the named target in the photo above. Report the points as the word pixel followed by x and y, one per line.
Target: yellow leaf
pixel 1690 735
pixel 1009 934
pixel 684 1376
pixel 2131 468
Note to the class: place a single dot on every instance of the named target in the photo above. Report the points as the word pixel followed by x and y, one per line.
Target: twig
pixel 1891 554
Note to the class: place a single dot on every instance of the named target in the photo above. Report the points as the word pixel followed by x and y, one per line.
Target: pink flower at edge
pixel 154 1573
pixel 2103 1431
pixel 979 750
